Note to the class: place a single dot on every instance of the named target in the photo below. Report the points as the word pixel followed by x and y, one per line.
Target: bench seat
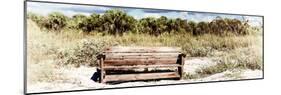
pixel 122 60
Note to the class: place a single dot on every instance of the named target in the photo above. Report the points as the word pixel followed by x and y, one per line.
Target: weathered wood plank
pixel 142 49
pixel 181 67
pixel 143 58
pixel 102 71
pixel 139 62
pixel 139 66
pixel 141 55
pixel 145 76
pixel 116 59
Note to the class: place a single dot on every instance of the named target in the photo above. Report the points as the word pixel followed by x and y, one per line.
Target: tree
pixel 191 26
pixel 201 28
pixel 174 25
pixel 76 21
pixel 91 23
pixel 162 25
pixel 220 26
pixel 55 21
pixel 117 22
pixel 148 25
pixel 183 24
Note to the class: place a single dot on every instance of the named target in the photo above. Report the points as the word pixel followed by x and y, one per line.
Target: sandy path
pixel 79 78
pixel 192 64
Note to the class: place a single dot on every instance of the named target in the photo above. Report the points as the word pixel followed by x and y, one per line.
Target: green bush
pixel 202 28
pixel 91 23
pixel 148 25
pixel 84 54
pixel 225 26
pixel 118 22
pixel 239 59
pixel 76 21
pixel 36 18
pixel 55 21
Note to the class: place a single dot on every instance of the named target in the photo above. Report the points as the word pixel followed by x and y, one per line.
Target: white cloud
pixel 183 15
pixel 68 10
pixel 254 21
pixel 46 11
pixel 156 15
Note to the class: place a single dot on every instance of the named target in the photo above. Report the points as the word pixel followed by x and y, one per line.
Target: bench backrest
pixel 115 60
pixel 120 56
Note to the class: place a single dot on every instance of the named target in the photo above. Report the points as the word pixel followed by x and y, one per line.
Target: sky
pixel 138 13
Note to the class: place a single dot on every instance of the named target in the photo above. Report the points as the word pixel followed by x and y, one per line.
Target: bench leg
pixel 180 69
pixel 102 72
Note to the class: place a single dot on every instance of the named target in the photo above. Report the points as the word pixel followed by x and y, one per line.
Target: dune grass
pixel 71 47
pixel 241 58
pixel 68 44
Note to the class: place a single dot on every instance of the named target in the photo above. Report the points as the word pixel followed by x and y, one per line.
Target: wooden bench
pixel 133 63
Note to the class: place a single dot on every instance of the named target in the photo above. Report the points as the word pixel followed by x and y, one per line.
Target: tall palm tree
pixel 191 26
pixel 161 24
pixel 76 21
pixel 148 25
pixel 202 28
pixel 56 21
pixel 117 22
pixel 92 23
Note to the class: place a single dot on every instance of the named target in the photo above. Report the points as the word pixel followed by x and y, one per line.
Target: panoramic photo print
pixel 78 47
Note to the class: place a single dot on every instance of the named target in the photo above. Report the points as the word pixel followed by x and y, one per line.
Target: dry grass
pixel 44 72
pixel 85 49
pixel 249 57
pixel 48 51
pixel 42 48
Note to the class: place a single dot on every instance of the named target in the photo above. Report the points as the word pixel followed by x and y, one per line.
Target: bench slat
pixel 139 62
pixel 139 66
pixel 141 55
pixel 142 58
pixel 130 77
pixel 142 50
pixel 129 63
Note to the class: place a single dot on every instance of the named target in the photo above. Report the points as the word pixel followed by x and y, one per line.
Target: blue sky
pixel 70 10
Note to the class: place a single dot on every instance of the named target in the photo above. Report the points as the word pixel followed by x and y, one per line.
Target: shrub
pixel 239 59
pixel 76 21
pixel 190 76
pixel 91 23
pixel 201 28
pixel 199 51
pixel 36 18
pixel 220 26
pixel 84 54
pixel 147 25
pixel 117 22
pixel 55 21
pixel 191 26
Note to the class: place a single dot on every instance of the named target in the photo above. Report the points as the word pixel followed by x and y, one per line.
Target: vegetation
pixel 77 21
pixel 84 54
pixel 242 58
pixel 117 22
pixel 233 43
